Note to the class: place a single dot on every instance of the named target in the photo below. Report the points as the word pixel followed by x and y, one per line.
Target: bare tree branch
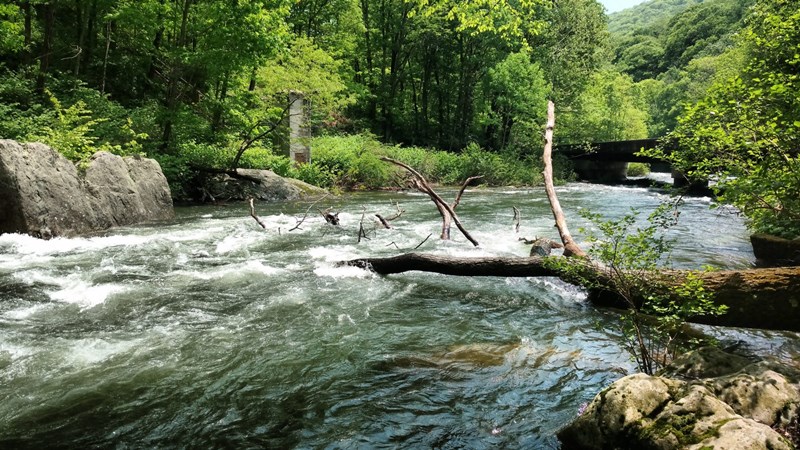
pixel 254 216
pixel 445 210
pixel 570 247
pixel 300 222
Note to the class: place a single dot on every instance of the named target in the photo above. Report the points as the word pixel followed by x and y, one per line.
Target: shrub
pixel 638 169
pixel 635 254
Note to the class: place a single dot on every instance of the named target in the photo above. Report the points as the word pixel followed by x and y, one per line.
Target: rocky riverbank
pixel 45 195
pixel 705 399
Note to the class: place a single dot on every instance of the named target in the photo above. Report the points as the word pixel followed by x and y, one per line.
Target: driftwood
pixel 303 219
pixel 254 216
pixel 446 210
pixel 756 298
pixel 332 218
pixel 385 220
pixel 570 247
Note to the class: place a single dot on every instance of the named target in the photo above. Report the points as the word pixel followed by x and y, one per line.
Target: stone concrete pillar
pixel 680 180
pixel 299 130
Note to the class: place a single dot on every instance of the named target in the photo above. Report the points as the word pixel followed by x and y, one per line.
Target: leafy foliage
pixel 745 131
pixel 646 14
pixel 11 28
pixel 634 253
pixel 70 131
pixel 606 111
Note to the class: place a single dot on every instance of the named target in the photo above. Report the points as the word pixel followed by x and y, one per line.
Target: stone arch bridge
pixel 608 161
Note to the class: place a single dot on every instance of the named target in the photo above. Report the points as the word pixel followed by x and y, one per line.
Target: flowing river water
pixel 210 332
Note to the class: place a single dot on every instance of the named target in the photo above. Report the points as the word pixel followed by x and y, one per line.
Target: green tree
pixel 641 58
pixel 606 111
pixel 572 47
pixel 695 31
pixel 11 29
pixel 257 113
pixel 515 93
pixel 746 131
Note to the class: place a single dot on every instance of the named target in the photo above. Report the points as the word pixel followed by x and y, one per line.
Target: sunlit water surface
pixel 212 332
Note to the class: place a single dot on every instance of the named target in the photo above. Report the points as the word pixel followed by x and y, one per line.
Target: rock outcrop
pixel 45 195
pixel 775 251
pixel 264 185
pixel 705 399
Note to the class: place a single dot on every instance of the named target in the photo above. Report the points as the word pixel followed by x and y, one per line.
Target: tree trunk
pixel 570 247
pixel 756 298
pixel 28 52
pixel 47 46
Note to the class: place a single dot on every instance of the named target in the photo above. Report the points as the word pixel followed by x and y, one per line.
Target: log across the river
pixel 756 298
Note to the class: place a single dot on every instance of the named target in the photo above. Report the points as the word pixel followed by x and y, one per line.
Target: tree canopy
pixel 195 83
pixel 745 131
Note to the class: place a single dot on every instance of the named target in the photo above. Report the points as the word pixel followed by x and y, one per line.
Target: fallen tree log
pixel 756 298
pixel 766 298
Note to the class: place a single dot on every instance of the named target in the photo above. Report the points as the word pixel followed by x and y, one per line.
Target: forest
pixel 455 88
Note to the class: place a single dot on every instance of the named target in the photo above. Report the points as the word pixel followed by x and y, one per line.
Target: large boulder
pixel 264 185
pixel 738 404
pixel 45 195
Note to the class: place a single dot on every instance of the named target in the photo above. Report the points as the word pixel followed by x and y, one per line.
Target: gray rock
pixel 705 362
pixel 738 405
pixel 543 246
pixel 765 396
pixel 264 185
pixel 45 195
pixel 743 434
pixel 618 414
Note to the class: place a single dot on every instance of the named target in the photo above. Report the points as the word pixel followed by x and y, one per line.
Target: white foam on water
pixel 564 289
pixel 36 276
pixel 84 294
pixel 91 351
pixel 345 319
pixel 245 268
pixel 72 288
pixel 332 253
pixel 230 244
pixel 31 246
pixel 16 351
pixel 342 272
pixel 25 313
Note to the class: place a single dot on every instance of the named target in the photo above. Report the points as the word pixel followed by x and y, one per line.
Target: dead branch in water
pixel 445 210
pixel 423 241
pixel 300 222
pixel 361 232
pixel 570 247
pixel 385 220
pixel 254 216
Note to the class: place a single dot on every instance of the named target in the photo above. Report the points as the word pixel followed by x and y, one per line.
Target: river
pixel 211 332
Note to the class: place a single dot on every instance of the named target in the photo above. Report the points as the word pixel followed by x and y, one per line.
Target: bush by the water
pixel 354 161
pixel 638 169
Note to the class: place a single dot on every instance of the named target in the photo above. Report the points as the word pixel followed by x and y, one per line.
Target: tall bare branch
pixel 570 247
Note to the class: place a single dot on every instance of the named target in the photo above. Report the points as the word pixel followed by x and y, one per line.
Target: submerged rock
pixel 543 246
pixel 739 405
pixel 43 194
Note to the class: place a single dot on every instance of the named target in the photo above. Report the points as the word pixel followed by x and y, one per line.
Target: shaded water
pixel 211 332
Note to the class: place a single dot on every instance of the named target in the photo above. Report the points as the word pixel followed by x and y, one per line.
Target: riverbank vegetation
pixel 194 83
